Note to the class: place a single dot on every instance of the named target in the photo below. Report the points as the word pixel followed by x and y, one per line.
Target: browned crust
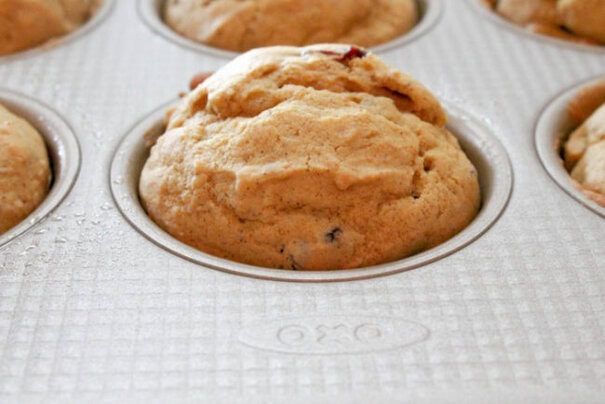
pixel 585 102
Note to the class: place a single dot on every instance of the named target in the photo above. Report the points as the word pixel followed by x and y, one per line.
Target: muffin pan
pixel 483 149
pixel 552 129
pixel 151 12
pixel 63 150
pixel 98 304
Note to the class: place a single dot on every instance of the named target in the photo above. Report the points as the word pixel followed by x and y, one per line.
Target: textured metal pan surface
pixel 92 310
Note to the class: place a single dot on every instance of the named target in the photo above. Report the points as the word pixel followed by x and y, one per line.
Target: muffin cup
pixel 552 129
pixel 97 18
pixel 484 11
pixel 150 12
pixel 63 151
pixel 482 148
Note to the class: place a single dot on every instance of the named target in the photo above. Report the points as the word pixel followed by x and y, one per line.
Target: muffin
pixel 310 158
pixel 25 24
pixel 584 150
pixel 574 20
pixel 240 25
pixel 24 169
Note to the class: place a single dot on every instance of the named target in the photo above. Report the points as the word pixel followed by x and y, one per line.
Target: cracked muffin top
pixel 573 20
pixel 25 24
pixel 309 158
pixel 24 169
pixel 240 25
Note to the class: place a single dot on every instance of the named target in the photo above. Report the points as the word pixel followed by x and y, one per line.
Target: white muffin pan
pixel 151 12
pixel 484 150
pixel 63 151
pixel 98 304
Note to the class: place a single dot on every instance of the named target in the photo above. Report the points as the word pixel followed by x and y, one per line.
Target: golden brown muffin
pixel 526 11
pixel 309 158
pixel 584 154
pixel 28 23
pixel 24 169
pixel 574 20
pixel 586 102
pixel 585 18
pixel 240 25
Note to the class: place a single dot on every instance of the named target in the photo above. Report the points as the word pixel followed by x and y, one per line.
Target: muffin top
pixel 574 20
pixel 309 158
pixel 240 25
pixel 28 23
pixel 24 169
pixel 584 151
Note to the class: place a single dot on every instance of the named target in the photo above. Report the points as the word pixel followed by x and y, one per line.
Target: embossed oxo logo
pixel 327 334
pixel 324 335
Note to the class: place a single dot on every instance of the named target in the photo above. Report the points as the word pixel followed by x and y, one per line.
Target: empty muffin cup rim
pixel 99 16
pixel 63 151
pixel 150 11
pixel 494 17
pixel 480 145
pixel 551 129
